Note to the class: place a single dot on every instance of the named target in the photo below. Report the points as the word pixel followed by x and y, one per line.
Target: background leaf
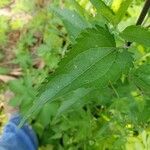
pixel 73 22
pixel 73 98
pixel 136 34
pixel 104 10
pixel 141 77
pixel 122 10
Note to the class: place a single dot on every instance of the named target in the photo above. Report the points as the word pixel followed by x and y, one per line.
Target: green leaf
pixel 46 113
pixel 141 77
pixel 73 22
pixel 87 66
pixel 122 10
pixel 78 7
pixel 104 10
pixel 136 34
pixel 72 99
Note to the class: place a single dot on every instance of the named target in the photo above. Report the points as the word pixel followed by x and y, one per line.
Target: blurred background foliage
pixel 32 42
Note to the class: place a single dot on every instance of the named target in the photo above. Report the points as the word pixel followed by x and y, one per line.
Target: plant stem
pixel 143 12
pixel 115 91
pixel 142 16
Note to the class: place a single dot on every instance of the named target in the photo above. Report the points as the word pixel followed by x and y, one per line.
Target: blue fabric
pixel 15 138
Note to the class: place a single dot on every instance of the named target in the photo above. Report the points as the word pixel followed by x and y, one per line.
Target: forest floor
pixel 7 51
pixel 8 12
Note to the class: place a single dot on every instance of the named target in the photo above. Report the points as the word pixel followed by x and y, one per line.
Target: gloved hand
pixel 15 138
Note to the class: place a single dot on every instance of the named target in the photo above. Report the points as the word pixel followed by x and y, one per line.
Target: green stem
pixel 115 91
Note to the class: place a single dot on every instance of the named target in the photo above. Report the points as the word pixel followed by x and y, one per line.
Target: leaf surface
pixel 136 34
